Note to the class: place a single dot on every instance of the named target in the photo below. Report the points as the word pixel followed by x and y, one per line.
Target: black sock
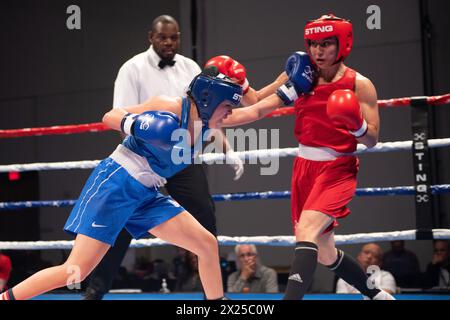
pixel 351 272
pixel 9 295
pixel 302 270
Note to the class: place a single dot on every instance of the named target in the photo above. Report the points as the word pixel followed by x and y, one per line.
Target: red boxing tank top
pixel 313 127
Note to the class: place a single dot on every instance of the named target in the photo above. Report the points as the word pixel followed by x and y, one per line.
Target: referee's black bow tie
pixel 164 63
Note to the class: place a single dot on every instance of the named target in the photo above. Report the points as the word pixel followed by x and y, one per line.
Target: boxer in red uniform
pixel 335 108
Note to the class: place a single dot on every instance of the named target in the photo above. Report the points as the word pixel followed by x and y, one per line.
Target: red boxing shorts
pixel 324 186
pixel 5 267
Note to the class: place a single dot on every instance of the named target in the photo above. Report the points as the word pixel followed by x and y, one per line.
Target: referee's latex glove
pixel 236 163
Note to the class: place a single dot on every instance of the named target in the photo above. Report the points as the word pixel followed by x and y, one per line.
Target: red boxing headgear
pixel 331 26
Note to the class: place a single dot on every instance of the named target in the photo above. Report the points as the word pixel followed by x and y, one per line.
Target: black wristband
pixel 123 122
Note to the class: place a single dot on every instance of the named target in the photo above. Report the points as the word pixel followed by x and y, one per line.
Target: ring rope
pixel 44 166
pixel 389 103
pixel 54 130
pixel 279 241
pixel 261 154
pixel 98 126
pixel 390 191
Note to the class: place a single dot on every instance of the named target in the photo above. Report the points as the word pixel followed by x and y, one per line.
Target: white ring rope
pixel 42 166
pixel 280 241
pixel 211 157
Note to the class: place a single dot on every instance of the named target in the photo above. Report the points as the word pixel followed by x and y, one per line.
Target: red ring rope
pixel 96 127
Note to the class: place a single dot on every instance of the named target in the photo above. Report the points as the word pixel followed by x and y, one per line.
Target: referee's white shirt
pixel 140 78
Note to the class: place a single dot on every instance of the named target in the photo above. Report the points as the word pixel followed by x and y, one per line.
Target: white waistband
pixel 137 167
pixel 317 153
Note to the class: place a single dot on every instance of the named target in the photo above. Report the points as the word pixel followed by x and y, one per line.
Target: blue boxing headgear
pixel 209 91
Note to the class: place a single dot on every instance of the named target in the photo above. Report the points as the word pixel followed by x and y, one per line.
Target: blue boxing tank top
pixel 160 160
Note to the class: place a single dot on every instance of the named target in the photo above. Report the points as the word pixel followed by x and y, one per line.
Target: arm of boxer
pixel 368 101
pixel 154 127
pixel 113 118
pixel 232 69
pixel 253 96
pixel 271 88
pixel 252 113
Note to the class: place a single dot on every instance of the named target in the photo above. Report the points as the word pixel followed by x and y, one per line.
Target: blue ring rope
pixel 386 191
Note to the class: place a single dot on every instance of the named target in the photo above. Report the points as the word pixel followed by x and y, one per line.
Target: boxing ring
pixel 422 191
pixel 234 296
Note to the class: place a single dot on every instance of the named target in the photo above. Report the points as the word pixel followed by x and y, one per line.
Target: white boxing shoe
pixel 382 295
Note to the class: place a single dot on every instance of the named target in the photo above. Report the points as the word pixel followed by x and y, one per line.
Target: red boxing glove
pixel 231 68
pixel 344 111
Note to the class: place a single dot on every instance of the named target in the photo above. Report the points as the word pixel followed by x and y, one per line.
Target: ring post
pixel 421 168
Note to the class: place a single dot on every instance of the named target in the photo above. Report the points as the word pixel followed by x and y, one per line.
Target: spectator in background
pixel 370 257
pixel 142 268
pixel 437 273
pixel 5 271
pixel 180 264
pixel 188 278
pixel 251 276
pixel 403 264
pixel 123 279
pixel 154 281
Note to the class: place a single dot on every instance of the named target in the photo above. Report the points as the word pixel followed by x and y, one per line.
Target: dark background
pixel 51 75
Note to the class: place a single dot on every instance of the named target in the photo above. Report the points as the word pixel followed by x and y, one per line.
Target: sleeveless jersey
pixel 313 128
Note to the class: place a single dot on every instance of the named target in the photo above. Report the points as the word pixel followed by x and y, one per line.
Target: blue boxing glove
pixel 301 75
pixel 154 127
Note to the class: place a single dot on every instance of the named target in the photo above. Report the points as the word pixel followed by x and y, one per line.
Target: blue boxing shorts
pixel 112 199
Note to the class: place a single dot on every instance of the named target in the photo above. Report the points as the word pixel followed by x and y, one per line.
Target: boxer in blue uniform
pixel 123 189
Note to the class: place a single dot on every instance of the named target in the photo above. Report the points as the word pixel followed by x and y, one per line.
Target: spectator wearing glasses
pixel 251 276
